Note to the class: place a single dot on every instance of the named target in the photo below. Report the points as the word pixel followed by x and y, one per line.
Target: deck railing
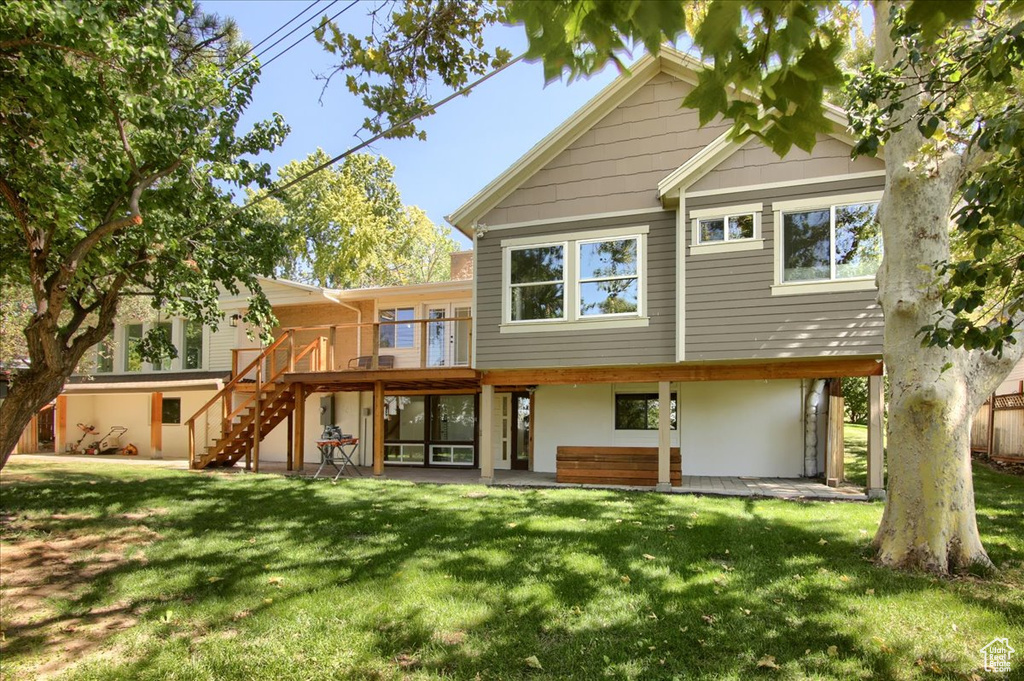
pixel 410 344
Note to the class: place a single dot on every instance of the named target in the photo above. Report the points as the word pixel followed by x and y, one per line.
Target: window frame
pixel 832 284
pixel 183 354
pixel 579 280
pixel 571 318
pixel 755 242
pixel 127 344
pixel 564 245
pixel 395 326
pixel 163 406
pixel 648 397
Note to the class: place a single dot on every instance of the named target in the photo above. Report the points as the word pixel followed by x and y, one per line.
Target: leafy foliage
pixel 960 83
pixel 118 152
pixel 409 44
pixel 346 226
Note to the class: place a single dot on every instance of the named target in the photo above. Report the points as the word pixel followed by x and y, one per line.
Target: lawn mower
pixel 76 447
pixel 109 443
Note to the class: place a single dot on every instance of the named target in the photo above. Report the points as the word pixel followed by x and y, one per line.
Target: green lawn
pixel 203 576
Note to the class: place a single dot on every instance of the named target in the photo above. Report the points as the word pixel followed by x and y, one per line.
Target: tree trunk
pixel 31 391
pixel 929 519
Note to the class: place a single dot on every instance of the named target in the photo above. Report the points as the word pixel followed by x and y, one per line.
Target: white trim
pixel 699 165
pixel 786 183
pixel 681 278
pixel 506 280
pixel 579 235
pixel 599 324
pixel 570 243
pixel 781 287
pixel 722 211
pixel 578 280
pixel 795 288
pixel 826 201
pixel 483 229
pixel 728 246
pixel 473 303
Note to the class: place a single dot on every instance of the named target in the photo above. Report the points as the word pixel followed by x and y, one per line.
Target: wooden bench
pixel 637 466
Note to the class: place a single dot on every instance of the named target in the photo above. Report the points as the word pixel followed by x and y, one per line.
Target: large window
pixel 132 347
pixel 397 335
pixel 640 411
pixel 537 276
pixel 609 277
pixel 832 242
pixel 193 346
pixel 441 426
pixel 587 277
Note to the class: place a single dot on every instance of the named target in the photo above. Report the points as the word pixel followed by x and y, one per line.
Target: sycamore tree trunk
pixel 929 519
pixel 30 393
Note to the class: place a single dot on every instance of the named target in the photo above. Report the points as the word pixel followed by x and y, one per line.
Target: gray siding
pixel 617 164
pixel 644 345
pixel 731 313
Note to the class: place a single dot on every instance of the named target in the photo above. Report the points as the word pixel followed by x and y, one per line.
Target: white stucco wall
pixel 726 428
pixel 346 415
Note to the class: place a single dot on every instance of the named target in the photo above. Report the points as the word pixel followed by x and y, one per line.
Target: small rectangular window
pixel 537 277
pixel 725 228
pixel 132 349
pixel 397 335
pixel 171 410
pixel 640 411
pixel 193 350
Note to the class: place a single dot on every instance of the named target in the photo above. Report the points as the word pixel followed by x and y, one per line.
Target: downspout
pixel 359 320
pixel 812 411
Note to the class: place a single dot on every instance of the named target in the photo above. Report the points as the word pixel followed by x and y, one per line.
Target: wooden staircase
pixel 220 438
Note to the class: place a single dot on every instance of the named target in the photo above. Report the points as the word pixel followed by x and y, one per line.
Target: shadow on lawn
pixel 592 583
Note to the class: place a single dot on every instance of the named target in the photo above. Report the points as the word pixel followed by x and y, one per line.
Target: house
pixel 632 265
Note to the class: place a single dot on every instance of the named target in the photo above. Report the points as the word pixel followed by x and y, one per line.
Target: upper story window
pixel 192 352
pixel 397 335
pixel 132 350
pixel 537 279
pixel 584 278
pixel 609 277
pixel 830 242
pixel 164 329
pixel 726 228
pixel 105 356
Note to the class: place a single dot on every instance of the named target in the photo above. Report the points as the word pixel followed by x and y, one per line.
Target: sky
pixel 470 140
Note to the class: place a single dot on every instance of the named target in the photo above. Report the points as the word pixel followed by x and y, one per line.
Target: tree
pixel 855 399
pixel 346 226
pixel 940 96
pixel 118 147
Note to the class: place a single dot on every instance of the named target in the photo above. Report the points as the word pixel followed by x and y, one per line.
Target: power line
pixel 282 38
pixel 280 28
pixel 311 32
pixel 362 145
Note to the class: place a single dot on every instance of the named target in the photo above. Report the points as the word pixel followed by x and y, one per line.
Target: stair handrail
pixel 226 391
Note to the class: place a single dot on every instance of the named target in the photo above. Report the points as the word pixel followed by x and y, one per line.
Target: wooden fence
pixel 999 431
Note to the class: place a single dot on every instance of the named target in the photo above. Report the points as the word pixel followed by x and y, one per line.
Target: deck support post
pixel 60 424
pixel 156 427
pixel 300 422
pixel 290 447
pixel 378 428
pixel 664 436
pixel 486 436
pixel 876 451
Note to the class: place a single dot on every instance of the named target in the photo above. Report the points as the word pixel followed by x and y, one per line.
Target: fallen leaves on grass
pixel 767 662
pixel 532 662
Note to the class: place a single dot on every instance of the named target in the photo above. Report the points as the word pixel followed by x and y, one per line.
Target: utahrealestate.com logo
pixel 996 655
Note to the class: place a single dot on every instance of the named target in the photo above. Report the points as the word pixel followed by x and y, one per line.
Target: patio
pixel 778 488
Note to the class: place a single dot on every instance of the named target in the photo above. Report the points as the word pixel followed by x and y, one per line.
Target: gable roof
pixel 670 61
